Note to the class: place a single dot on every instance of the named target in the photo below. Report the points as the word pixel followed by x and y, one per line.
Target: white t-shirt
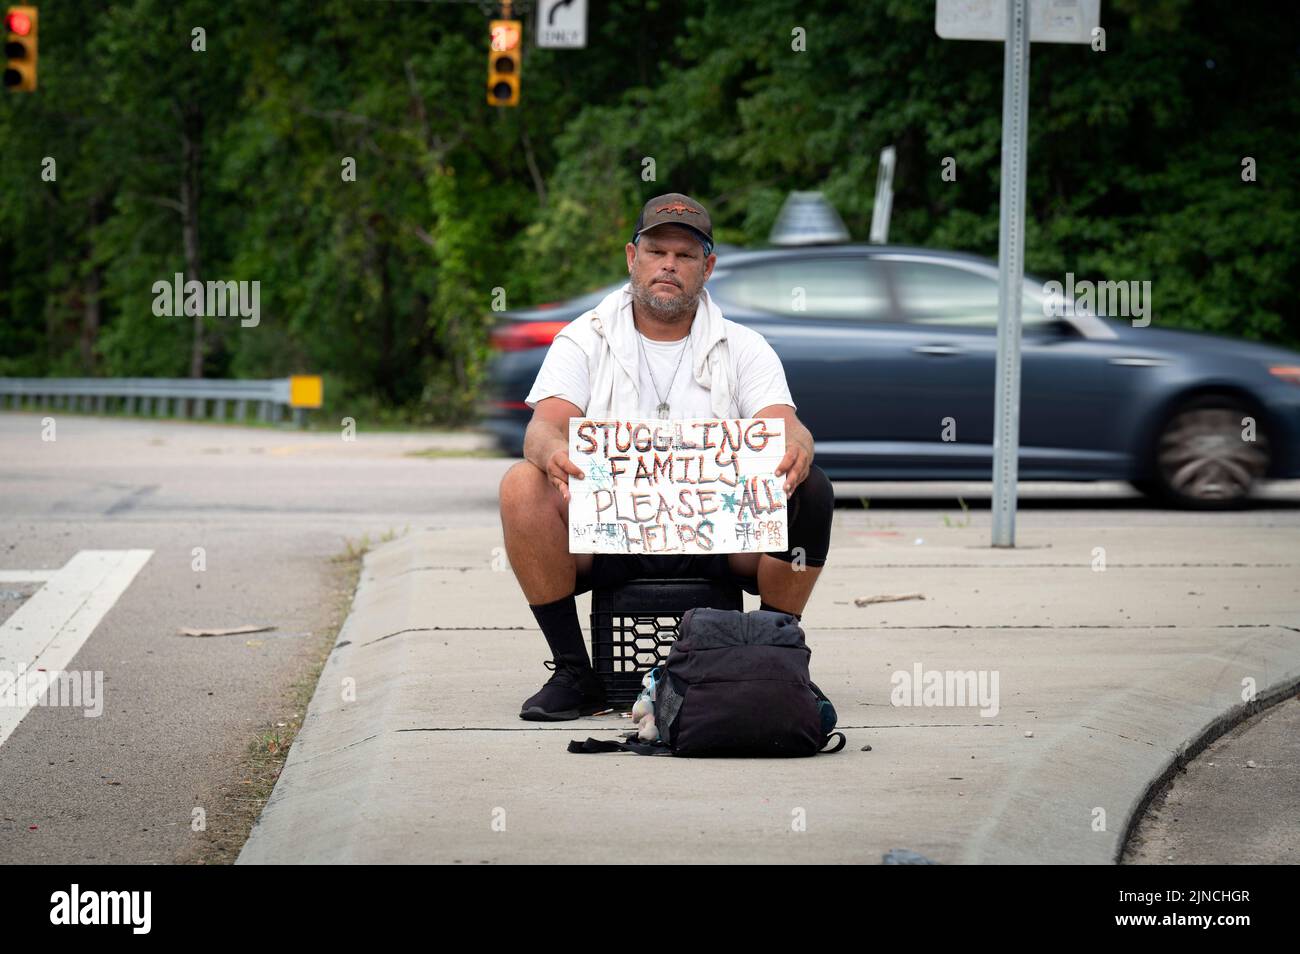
pixel 756 372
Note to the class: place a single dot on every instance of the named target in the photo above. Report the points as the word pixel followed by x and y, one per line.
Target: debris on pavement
pixel 886 598
pixel 232 631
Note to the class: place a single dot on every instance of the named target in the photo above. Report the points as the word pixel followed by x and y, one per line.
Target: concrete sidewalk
pixel 1114 672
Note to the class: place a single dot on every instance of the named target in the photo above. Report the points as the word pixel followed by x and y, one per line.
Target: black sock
pixel 769 606
pixel 563 632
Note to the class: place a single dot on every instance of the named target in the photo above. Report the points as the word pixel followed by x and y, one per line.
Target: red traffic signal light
pixel 18 23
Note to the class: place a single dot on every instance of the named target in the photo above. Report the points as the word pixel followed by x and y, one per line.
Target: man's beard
pixel 679 307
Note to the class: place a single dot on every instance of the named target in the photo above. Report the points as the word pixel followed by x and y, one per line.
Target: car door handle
pixel 1139 362
pixel 938 350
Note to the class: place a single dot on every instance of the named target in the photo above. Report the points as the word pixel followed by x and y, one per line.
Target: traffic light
pixel 503 63
pixel 20 49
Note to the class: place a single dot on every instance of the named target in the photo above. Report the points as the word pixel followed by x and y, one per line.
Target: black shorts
pixel 609 569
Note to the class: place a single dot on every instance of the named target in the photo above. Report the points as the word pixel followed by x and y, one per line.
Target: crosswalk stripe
pixel 50 627
pixel 26 576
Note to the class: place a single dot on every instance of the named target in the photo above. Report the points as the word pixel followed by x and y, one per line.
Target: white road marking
pixel 50 627
pixel 26 576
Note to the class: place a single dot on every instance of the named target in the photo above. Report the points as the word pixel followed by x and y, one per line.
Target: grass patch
pixel 356 549
pixel 965 509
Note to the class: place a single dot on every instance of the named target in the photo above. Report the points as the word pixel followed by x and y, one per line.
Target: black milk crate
pixel 633 626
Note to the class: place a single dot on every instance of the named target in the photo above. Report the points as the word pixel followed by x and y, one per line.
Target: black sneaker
pixel 572 692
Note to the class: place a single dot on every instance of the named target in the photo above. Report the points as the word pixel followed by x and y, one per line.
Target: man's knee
pixel 526 490
pixel 817 484
pixel 522 484
pixel 812 511
pixel 816 497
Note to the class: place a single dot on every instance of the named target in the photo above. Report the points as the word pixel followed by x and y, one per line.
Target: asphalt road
pixel 1237 802
pixel 270 508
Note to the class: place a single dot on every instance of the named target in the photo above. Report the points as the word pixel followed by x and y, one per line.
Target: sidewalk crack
pixel 1120 735
pixel 413 629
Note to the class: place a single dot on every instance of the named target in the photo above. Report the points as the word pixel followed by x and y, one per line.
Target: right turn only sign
pixel 1050 21
pixel 562 24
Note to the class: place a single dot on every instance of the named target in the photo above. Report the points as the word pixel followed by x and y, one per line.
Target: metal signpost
pixel 1011 272
pixel 1016 22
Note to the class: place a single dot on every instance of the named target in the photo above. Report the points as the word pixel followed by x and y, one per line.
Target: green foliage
pixel 385 283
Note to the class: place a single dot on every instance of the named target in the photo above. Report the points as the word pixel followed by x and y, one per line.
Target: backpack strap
pixel 838 746
pixel 592 746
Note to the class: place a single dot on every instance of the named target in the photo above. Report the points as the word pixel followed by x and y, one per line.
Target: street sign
pixel 305 390
pixel 562 24
pixel 1050 21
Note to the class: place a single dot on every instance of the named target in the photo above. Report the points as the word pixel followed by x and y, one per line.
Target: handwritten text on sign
pixel 674 487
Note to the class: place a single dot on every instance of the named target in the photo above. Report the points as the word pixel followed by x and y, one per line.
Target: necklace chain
pixel 662 408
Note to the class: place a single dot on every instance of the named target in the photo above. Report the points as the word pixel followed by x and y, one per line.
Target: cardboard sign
pixel 668 488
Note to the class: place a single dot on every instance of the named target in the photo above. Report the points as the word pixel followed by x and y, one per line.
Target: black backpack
pixel 735 684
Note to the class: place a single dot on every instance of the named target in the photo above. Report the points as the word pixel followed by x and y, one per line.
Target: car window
pixel 936 294
pixel 848 288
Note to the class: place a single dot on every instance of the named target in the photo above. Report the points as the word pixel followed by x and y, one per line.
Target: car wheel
pixel 1201 460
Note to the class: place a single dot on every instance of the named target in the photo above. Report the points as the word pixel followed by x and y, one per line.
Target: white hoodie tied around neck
pixel 607 336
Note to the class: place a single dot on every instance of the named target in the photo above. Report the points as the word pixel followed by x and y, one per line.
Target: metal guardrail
pixel 198 398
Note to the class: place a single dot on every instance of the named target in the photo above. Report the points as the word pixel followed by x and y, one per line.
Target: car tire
pixel 1148 488
pixel 1199 460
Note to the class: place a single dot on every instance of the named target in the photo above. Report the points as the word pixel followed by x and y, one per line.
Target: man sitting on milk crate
pixel 658 388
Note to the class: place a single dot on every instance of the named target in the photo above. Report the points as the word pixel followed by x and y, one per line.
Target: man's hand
pixel 558 470
pixel 796 463
pixel 798 446
pixel 546 442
